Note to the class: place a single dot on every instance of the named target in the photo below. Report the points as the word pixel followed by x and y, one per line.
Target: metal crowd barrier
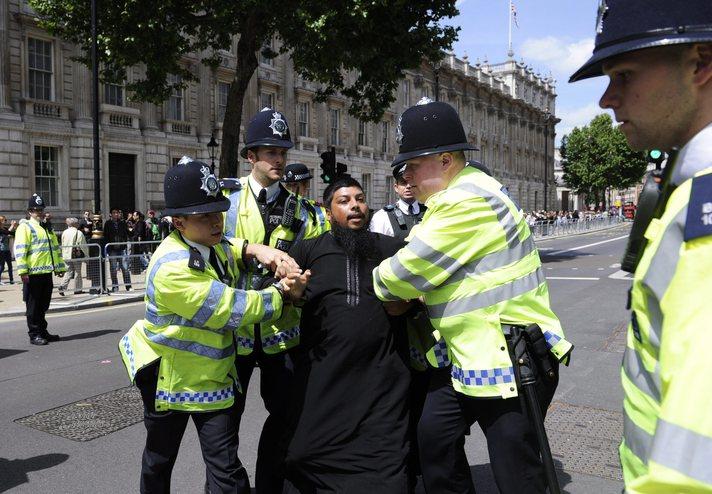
pixel 554 228
pixel 127 261
pixel 79 269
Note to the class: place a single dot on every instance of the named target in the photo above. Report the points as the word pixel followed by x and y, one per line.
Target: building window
pixel 269 45
pixel 47 173
pixel 362 136
pixel 175 160
pixel 266 100
pixel 334 121
pixel 366 186
pixel 426 91
pixel 384 137
pixel 114 94
pixel 176 100
pixel 406 92
pixel 390 193
pixel 223 91
pixel 303 118
pixel 39 62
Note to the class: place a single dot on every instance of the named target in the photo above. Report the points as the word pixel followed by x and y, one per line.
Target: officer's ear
pixel 447 160
pixel 179 223
pixel 252 156
pixel 703 69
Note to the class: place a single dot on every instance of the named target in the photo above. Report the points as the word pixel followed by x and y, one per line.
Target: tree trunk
pixel 247 47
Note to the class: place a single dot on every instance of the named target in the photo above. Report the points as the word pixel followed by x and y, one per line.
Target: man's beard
pixel 360 244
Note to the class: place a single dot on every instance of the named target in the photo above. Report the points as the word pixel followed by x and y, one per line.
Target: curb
pixel 80 306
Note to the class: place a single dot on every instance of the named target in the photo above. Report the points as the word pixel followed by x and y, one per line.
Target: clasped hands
pixel 286 269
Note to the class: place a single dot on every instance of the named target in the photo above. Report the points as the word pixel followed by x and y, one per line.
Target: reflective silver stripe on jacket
pixel 171 256
pixel 231 216
pixel 190 346
pixel 684 451
pixel 239 305
pixel 378 282
pixel 648 383
pixel 636 439
pixel 210 304
pixel 487 298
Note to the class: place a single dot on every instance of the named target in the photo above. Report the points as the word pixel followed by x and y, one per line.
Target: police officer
pixel 297 179
pixel 658 57
pixel 263 211
pixel 38 256
pixel 181 355
pixel 396 220
pixel 474 263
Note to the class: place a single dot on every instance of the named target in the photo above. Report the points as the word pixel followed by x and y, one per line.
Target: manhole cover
pixel 90 418
pixel 585 439
pixel 616 342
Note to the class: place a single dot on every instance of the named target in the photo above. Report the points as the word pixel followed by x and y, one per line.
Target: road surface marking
pixel 571 278
pixel 621 275
pixel 615 266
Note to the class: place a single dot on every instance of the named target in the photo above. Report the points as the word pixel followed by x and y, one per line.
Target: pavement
pixel 69 423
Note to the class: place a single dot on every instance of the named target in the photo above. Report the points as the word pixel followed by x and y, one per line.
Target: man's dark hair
pixel 115 209
pixel 336 185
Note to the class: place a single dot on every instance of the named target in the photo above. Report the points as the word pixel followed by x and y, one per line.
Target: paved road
pixel 584 423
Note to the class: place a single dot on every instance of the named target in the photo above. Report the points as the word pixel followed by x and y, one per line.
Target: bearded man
pixel 350 395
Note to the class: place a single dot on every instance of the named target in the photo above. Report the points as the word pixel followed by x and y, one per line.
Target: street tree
pixel 358 48
pixel 597 157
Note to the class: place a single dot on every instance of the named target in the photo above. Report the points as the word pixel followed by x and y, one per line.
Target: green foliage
pixel 596 157
pixel 358 48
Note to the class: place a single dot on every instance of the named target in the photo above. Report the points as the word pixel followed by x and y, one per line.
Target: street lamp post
pixel 97 233
pixel 211 148
pixel 547 117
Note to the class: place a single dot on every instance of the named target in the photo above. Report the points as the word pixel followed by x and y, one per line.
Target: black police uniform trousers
pixel 37 294
pixel 276 376
pixel 217 432
pixel 511 440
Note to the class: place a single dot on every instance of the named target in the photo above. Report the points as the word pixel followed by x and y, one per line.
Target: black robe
pixel 350 412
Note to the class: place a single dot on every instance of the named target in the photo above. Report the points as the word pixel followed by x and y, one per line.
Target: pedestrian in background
pixel 74 249
pixel 657 55
pixel 38 257
pixel 116 232
pixel 6 235
pixel 86 226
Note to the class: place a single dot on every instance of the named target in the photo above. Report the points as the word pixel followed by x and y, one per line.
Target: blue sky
pixel 553 36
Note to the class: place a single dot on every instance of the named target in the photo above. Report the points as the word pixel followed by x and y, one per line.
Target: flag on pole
pixel 514 13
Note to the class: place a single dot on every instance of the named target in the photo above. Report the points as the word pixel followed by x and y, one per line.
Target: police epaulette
pixel 389 207
pixel 230 183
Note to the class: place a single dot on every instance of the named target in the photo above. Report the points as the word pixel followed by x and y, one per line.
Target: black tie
pixel 215 263
pixel 262 197
pixel 410 209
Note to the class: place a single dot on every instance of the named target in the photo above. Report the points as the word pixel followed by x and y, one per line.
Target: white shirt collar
pixel 694 156
pixel 403 206
pixel 203 249
pixel 272 190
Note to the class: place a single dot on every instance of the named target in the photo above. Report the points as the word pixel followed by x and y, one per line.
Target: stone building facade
pixel 46 127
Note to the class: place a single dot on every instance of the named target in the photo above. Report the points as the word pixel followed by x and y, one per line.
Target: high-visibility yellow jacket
pixel 37 250
pixel 190 318
pixel 667 367
pixel 474 261
pixel 243 220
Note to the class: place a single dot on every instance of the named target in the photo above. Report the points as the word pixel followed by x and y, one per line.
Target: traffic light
pixel 657 157
pixel 340 169
pixel 328 165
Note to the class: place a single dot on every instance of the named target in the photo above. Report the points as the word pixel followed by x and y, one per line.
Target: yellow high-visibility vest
pixel 37 249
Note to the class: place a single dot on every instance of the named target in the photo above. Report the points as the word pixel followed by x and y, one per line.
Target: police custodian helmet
pixel 627 25
pixel 35 202
pixel 429 127
pixel 267 128
pixel 190 188
pixel 296 172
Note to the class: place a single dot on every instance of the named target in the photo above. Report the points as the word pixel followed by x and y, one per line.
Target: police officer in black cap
pixel 263 211
pixel 657 55
pixel 474 263
pixel 297 179
pixel 396 220
pixel 38 256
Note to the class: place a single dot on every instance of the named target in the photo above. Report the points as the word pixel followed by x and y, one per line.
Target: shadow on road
pixel 9 352
pixel 14 472
pixel 90 334
pixel 555 256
